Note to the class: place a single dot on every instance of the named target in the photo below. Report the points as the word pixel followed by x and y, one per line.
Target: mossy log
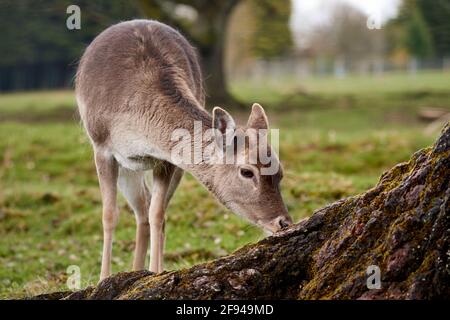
pixel 401 225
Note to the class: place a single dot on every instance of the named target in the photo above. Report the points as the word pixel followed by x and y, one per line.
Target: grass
pixel 332 144
pixel 37 101
pixel 273 90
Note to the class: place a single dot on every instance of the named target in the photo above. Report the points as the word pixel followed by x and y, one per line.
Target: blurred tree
pixel 349 36
pixel 410 30
pixel 272 36
pixel 240 31
pixel 256 30
pixel 346 40
pixel 205 24
pixel 436 14
pixel 38 51
pixel 418 38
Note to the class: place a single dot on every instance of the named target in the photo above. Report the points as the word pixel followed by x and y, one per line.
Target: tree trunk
pixel 216 88
pixel 400 227
pixel 213 58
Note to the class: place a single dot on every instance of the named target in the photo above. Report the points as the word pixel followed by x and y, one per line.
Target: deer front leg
pixel 161 182
pixel 174 181
pixel 107 172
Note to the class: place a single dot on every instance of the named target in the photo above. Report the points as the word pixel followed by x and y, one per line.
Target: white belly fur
pixel 133 151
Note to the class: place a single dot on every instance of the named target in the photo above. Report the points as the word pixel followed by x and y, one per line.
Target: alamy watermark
pixel 74 280
pixel 373 277
pixel 236 147
pixel 374 22
pixel 73 22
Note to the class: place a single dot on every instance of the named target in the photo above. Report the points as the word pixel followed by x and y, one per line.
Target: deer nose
pixel 284 222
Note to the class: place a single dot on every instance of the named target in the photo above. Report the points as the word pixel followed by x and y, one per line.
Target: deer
pixel 136 83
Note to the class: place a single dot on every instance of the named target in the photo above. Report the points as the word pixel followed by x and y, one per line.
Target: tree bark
pixel 401 226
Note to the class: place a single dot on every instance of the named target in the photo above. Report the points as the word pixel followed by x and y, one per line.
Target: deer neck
pixel 188 129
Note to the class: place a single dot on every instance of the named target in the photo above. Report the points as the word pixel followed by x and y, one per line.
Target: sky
pixel 309 13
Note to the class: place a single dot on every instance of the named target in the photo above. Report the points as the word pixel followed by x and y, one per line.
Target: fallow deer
pixel 136 83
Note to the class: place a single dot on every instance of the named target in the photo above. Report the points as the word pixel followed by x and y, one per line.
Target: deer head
pixel 248 179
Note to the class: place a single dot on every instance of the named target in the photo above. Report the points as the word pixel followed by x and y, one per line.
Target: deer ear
pixel 224 125
pixel 258 119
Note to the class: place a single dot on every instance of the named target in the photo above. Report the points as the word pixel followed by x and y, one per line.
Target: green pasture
pixel 337 136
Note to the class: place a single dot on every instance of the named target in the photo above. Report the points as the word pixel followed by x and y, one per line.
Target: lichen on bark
pixel 401 225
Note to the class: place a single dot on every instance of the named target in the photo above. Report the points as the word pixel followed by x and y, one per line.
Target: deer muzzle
pixel 279 223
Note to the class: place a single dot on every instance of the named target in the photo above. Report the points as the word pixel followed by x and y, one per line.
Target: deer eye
pixel 246 173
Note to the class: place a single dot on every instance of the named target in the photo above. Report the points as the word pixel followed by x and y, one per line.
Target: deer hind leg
pixel 107 172
pixel 134 188
pixel 162 178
